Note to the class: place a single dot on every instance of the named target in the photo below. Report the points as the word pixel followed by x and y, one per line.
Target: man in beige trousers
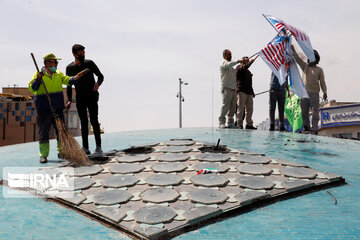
pixel 313 78
pixel 228 89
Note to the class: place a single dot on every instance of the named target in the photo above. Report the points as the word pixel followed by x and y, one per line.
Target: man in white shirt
pixel 228 89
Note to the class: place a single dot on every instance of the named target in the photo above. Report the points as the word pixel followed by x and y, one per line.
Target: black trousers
pixel 90 104
pixel 279 97
pixel 44 121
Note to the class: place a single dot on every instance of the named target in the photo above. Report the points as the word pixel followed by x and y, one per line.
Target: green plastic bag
pixel 293 111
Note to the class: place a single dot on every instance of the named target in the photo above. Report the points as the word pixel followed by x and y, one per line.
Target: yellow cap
pixel 50 56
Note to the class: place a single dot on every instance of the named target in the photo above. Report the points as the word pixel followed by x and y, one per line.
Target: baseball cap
pixel 49 56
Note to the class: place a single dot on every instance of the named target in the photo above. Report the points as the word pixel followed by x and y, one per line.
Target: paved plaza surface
pixel 156 193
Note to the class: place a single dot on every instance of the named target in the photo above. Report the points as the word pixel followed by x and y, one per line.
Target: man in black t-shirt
pixel 245 94
pixel 87 95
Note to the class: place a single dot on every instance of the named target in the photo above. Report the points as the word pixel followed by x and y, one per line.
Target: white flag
pixel 296 82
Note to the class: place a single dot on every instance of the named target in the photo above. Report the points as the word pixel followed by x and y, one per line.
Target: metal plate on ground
pixel 248 197
pixel 172 157
pixel 254 182
pixel 179 143
pixel 125 168
pixel 113 213
pixel 120 181
pixel 159 195
pixel 163 179
pixel 213 157
pixel 254 159
pixel 176 149
pixel 87 170
pixel 209 180
pixel 131 158
pixel 207 196
pixel 253 169
pixel 79 183
pixel 112 197
pixel 298 172
pixel 168 167
pixel 154 214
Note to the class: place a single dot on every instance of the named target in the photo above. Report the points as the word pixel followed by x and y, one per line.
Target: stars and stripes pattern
pixel 297 33
pixel 274 55
pixel 277 23
pixel 301 37
pixel 279 26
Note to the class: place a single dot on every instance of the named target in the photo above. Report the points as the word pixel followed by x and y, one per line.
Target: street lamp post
pixel 181 99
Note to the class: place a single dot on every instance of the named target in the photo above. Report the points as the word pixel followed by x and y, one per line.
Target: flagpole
pixel 261 92
pixel 270 22
pixel 254 55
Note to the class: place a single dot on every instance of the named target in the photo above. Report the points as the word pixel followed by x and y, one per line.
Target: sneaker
pixel 240 127
pixel 43 160
pixel 272 127
pixel 98 149
pixel 222 126
pixel 87 151
pixel 282 129
pixel 231 126
pixel 250 127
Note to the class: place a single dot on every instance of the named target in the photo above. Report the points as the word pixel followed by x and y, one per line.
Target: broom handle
pixel 47 94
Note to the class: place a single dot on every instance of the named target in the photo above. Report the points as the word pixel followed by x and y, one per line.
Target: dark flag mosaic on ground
pixel 153 191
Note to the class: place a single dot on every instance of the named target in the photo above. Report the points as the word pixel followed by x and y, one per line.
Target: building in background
pixel 18 117
pixel 340 119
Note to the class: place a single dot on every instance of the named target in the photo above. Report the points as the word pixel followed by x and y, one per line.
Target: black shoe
pixel 87 151
pixel 240 127
pixel 272 127
pixel 282 129
pixel 43 160
pixel 250 127
pixel 98 149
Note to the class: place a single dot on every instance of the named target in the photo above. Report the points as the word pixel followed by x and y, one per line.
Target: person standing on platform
pixel 314 79
pixel 87 95
pixel 277 94
pixel 53 80
pixel 245 94
pixel 228 89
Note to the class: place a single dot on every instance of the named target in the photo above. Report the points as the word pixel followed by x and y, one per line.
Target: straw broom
pixel 70 148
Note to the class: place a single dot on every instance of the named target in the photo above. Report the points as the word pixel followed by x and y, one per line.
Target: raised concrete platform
pixel 150 195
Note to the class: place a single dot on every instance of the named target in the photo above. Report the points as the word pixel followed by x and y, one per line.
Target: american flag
pixel 274 52
pixel 301 37
pixel 274 55
pixel 297 33
pixel 277 23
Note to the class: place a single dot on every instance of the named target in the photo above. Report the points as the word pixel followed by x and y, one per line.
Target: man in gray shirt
pixel 228 89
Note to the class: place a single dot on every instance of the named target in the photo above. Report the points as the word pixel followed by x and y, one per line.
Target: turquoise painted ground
pixel 311 216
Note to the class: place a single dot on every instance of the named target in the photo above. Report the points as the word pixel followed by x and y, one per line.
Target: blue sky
pixel 143 47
